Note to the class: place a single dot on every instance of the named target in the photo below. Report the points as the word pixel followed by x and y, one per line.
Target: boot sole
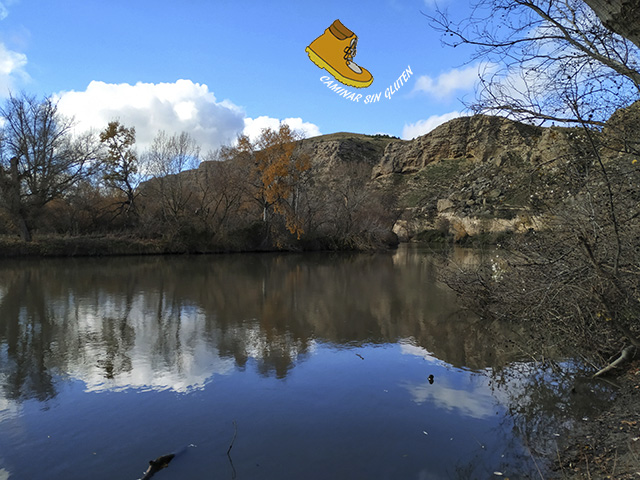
pixel 342 79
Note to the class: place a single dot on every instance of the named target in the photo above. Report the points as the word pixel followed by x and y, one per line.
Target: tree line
pixel 255 194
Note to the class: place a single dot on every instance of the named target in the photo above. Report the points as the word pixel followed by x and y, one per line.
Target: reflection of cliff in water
pixel 173 322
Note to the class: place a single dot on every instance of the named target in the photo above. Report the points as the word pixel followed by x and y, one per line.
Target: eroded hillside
pixel 470 176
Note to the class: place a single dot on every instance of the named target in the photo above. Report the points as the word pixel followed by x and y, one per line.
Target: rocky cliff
pixel 471 175
pixel 330 151
pixel 478 138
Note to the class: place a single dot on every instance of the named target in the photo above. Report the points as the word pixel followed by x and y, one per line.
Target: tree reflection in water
pixel 176 323
pixel 150 322
pixel 546 403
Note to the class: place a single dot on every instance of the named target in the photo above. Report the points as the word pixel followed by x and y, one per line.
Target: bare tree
pixel 39 159
pixel 220 195
pixel 167 160
pixel 545 60
pixel 352 206
pixel 578 280
pixel 574 284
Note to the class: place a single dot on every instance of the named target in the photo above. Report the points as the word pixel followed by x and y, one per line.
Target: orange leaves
pixel 280 171
pixel 275 173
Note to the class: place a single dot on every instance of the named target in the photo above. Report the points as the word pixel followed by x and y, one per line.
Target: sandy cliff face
pixel 466 176
pixel 479 138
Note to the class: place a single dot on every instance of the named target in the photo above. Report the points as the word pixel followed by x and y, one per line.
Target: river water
pixel 267 366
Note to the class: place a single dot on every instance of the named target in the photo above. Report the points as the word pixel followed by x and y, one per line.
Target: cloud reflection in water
pixel 474 399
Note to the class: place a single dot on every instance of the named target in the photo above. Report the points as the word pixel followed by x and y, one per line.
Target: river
pixel 267 366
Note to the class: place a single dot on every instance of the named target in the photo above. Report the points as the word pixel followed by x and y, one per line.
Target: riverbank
pixel 67 246
pixel 114 245
pixel 607 446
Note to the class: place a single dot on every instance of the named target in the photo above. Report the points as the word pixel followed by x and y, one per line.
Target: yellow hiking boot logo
pixel 334 51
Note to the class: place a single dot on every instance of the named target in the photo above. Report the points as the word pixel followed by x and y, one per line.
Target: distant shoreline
pixel 44 246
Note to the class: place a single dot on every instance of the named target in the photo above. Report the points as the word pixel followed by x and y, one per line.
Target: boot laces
pixel 349 53
pixel 350 50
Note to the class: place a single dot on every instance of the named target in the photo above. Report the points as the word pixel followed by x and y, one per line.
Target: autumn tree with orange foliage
pixel 276 174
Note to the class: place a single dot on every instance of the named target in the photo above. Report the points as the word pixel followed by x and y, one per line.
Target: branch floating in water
pixel 235 434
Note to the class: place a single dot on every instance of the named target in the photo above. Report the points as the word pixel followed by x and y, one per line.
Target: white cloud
pixel 254 126
pixel 11 69
pixel 475 401
pixel 422 127
pixel 183 106
pixel 447 83
pixel 177 107
pixel 4 11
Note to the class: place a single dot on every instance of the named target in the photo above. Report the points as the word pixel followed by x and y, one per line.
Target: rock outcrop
pixel 478 138
pixel 474 175
pixel 469 176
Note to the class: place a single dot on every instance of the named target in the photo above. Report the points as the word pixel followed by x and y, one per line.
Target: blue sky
pixel 217 68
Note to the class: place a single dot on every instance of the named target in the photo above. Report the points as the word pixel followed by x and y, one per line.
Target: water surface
pixel 312 366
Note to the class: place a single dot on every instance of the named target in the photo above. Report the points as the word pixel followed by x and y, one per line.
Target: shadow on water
pixel 216 332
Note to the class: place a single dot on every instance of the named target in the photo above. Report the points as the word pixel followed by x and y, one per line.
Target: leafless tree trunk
pixel 620 16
